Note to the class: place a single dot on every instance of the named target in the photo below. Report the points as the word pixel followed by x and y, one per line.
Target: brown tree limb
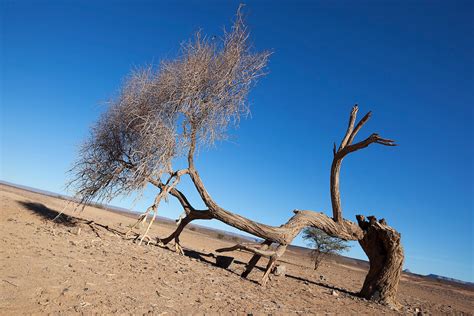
pixel 350 127
pixel 374 138
pixel 346 148
pixel 192 215
pixel 358 127
pixel 250 248
pixel 187 207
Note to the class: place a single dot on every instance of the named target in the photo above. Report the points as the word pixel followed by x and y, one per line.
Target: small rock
pixel 322 278
pixel 334 293
pixel 84 304
pixel 279 270
pixel 76 231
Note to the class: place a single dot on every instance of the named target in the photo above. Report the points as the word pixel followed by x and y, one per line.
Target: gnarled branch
pixel 345 148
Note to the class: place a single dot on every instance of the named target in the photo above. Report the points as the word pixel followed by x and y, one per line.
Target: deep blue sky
pixel 409 62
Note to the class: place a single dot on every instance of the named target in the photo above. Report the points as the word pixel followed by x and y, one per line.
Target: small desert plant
pixel 220 236
pixel 322 244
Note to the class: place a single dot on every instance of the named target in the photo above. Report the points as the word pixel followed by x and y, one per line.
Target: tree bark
pixel 283 234
pixel 335 196
pixel 381 243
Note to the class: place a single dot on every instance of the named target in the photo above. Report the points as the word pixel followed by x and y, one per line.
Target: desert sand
pixel 81 263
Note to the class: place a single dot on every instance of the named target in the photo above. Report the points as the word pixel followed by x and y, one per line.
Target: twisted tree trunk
pixel 380 242
pixel 382 245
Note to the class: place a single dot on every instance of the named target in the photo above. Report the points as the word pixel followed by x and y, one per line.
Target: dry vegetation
pixel 190 102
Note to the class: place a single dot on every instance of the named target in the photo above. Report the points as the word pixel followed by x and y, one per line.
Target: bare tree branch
pixel 346 148
pixel 358 127
pixel 250 248
pixel 350 127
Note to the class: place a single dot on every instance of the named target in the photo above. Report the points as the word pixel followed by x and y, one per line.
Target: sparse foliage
pixel 134 140
pixel 161 112
pixel 322 244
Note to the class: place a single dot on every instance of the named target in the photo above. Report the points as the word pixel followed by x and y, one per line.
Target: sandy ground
pixel 48 267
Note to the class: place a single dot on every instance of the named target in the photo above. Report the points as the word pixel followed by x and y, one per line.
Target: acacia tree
pixel 322 244
pixel 189 102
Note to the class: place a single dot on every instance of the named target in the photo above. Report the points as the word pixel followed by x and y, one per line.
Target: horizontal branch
pixel 250 248
pixel 374 138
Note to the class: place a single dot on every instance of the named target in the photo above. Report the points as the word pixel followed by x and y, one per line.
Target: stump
pixel 382 245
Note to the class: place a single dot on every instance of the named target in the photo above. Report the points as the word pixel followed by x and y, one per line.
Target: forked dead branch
pixel 189 102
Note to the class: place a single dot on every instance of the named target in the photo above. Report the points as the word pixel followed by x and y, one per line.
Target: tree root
pixel 179 249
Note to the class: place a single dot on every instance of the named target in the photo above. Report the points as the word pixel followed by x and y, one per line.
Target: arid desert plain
pixel 82 263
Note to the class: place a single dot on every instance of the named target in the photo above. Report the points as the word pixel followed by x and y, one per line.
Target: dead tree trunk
pixel 380 242
pixel 382 245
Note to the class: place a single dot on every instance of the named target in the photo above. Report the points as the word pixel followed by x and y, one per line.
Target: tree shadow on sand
pixel 49 214
pixel 63 219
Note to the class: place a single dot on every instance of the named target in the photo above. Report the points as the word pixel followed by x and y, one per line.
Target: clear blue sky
pixel 410 62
